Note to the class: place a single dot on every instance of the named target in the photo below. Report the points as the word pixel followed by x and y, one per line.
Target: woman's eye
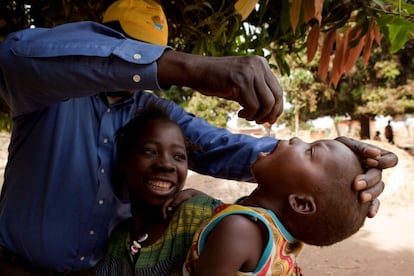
pixel 180 157
pixel 149 151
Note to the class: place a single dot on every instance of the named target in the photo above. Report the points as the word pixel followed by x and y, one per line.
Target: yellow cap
pixel 140 19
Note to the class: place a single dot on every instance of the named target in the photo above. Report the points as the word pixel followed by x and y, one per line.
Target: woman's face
pixel 157 167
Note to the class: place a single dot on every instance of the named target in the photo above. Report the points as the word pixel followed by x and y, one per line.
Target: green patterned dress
pixel 167 255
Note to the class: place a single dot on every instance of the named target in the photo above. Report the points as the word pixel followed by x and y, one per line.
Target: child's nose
pixel 165 163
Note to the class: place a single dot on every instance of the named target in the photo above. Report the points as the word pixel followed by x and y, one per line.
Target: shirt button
pixel 91 232
pixel 82 258
pixel 108 110
pixel 137 56
pixel 100 202
pixel 105 140
pixel 102 170
pixel 136 78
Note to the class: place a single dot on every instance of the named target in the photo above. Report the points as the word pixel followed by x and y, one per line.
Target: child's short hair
pixel 351 213
pixel 341 216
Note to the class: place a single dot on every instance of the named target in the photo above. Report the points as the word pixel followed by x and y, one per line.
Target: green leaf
pixel 398 39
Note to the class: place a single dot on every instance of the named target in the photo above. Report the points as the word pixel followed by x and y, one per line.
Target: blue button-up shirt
pixel 58 204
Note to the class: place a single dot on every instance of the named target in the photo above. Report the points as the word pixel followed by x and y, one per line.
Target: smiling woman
pixel 152 168
pixel 156 166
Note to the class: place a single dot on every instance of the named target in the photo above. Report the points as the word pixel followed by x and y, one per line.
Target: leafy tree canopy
pixel 335 35
pixel 273 29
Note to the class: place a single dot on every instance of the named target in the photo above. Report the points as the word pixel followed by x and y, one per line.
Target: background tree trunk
pixel 365 130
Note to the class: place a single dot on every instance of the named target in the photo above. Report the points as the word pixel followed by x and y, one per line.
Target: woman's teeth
pixel 160 185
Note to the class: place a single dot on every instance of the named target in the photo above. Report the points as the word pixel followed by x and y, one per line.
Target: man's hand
pixel 375 159
pixel 245 79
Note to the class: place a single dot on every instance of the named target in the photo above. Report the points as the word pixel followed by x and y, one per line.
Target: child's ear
pixel 302 204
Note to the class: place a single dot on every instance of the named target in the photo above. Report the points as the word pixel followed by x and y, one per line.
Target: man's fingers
pixel 372 192
pixel 363 150
pixel 267 102
pixel 274 114
pixel 250 103
pixel 387 160
pixel 349 142
pixel 373 208
pixel 276 94
pixel 368 180
pixel 262 100
pixel 262 107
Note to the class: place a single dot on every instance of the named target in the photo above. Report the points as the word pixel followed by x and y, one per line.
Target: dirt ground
pixel 383 247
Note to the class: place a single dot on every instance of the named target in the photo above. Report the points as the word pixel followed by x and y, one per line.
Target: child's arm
pixel 235 244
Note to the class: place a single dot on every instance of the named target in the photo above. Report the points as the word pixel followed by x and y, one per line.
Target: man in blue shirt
pixel 58 203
